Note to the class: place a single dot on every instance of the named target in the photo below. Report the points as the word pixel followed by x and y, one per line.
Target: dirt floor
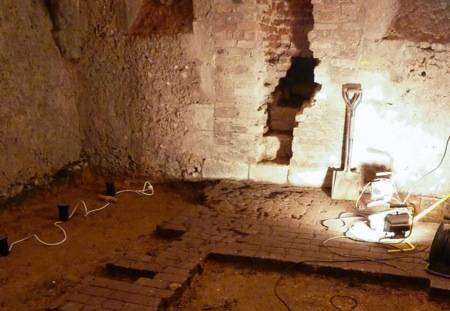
pixel 33 275
pixel 250 286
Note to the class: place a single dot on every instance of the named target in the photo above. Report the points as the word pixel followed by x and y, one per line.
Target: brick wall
pixel 232 73
pixel 285 25
pixel 253 44
pixel 335 41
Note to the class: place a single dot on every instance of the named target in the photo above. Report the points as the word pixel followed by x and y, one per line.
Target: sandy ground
pixel 33 275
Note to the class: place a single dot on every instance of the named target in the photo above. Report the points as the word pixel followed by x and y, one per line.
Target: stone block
pixel 269 172
pixel 247 44
pixel 218 169
pixel 225 43
pixel 198 142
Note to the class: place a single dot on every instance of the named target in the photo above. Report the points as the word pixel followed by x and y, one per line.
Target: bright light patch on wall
pixel 376 142
pixel 307 177
pixel 374 92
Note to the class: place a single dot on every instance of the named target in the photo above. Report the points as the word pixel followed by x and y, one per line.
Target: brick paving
pixel 208 231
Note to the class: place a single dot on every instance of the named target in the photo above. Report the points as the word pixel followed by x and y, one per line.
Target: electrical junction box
pixel 398 224
pixel 396 221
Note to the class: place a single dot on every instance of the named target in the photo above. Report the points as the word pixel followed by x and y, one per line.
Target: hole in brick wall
pixel 294 91
pixel 294 20
pixel 165 17
pixel 298 87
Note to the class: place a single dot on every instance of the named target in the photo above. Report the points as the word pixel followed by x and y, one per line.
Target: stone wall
pixel 405 101
pixel 39 125
pixel 173 104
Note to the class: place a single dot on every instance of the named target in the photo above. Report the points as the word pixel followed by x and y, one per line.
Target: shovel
pixel 347 183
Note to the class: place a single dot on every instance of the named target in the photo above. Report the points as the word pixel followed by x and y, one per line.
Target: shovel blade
pixel 346 185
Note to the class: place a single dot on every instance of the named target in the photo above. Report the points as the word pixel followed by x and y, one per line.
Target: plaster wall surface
pixel 39 125
pixel 137 95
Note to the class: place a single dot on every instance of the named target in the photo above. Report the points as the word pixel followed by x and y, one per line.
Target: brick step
pixel 282 118
pixel 278 145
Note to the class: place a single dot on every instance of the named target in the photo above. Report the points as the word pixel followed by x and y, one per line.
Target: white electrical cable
pixel 147 190
pixel 362 193
pixel 342 219
pixel 57 224
pixel 86 211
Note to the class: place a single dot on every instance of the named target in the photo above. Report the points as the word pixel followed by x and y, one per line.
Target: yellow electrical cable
pixel 432 207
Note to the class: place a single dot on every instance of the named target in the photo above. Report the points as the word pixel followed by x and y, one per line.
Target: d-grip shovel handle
pixel 354 90
pixel 352 93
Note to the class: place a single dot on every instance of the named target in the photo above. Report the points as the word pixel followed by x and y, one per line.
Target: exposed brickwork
pixel 335 37
pixel 238 121
pixel 285 26
pixel 249 53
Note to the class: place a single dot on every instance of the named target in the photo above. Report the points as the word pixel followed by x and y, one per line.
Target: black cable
pixel 277 283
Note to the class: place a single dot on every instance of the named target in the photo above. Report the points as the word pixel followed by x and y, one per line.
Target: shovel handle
pixel 352 93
